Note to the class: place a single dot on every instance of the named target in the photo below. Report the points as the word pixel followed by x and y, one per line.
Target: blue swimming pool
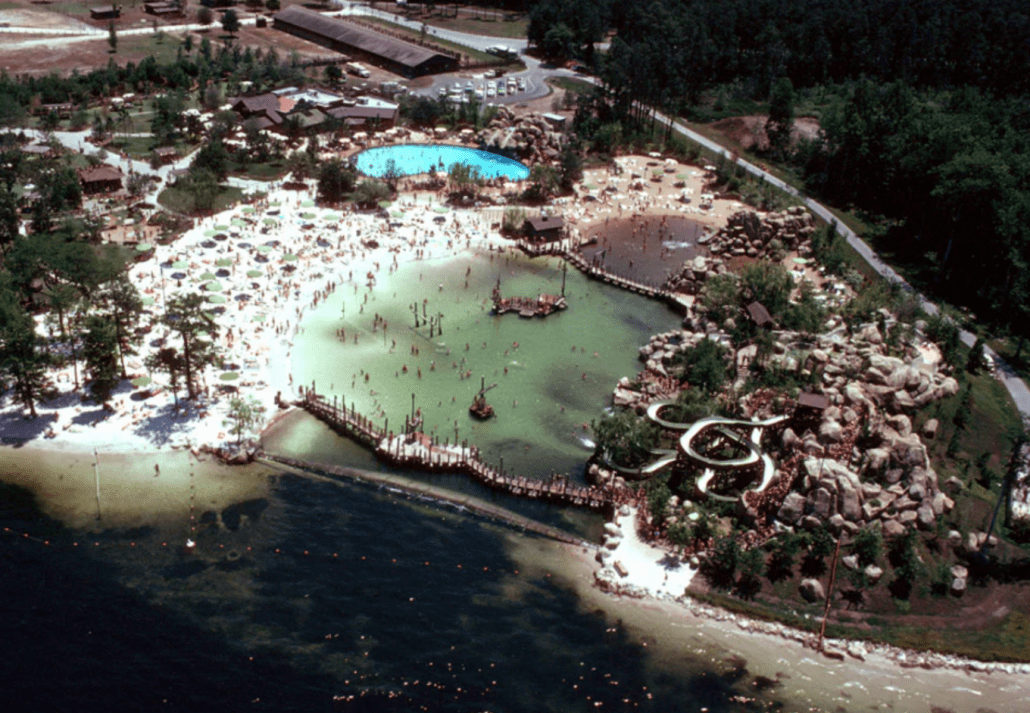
pixel 423 158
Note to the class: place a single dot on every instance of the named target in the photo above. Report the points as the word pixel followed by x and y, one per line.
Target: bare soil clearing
pixel 749 131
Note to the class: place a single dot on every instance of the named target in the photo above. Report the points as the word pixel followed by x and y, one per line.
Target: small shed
pixel 105 12
pixel 810 407
pixel 759 314
pixel 165 154
pixel 544 228
pixel 555 120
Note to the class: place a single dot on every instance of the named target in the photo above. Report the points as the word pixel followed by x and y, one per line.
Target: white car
pixel 490 91
pixel 479 95
pixel 522 84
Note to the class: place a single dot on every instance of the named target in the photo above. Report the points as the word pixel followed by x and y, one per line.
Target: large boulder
pixel 893 528
pixel 792 509
pixel 925 517
pixel 812 590
pixel 851 505
pixel 831 431
pixel 820 504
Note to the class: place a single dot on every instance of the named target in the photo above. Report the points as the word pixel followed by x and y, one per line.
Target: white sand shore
pixel 270 262
pixel 639 566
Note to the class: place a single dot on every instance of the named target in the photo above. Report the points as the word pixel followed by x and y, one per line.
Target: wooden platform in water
pixel 530 306
pixel 420 452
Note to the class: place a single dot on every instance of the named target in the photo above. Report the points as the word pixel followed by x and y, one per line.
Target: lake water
pixel 412 159
pixel 553 375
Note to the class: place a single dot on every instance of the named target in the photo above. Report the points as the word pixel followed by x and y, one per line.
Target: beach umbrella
pixel 264 248
pixel 307 204
pixel 238 223
pixel 224 262
pixel 210 233
pixel 213 286
pixel 258 318
pixel 801 260
pixel 331 217
pixel 141 381
pixel 254 273
pixel 216 299
pixel 270 221
pixel 147 301
pixel 144 247
pixel 308 216
pixel 180 265
pixel 208 276
pixel 248 210
pixel 229 376
pixel 289 257
pixel 221 228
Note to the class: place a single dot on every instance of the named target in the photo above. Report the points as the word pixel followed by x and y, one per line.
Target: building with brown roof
pixel 545 228
pixel 391 53
pixel 165 154
pixel 162 9
pixel 311 108
pixel 103 178
pixel 105 12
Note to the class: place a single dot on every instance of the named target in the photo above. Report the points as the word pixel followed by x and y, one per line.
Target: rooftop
pixel 376 43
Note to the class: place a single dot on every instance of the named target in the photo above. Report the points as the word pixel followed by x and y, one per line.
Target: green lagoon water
pixel 560 369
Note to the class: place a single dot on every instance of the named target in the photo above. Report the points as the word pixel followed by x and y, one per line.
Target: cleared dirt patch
pixel 749 131
pixel 41 20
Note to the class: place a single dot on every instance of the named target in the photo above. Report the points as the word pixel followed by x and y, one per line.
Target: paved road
pixel 1016 387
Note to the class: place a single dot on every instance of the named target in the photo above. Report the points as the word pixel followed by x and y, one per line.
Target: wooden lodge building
pixel 544 229
pixel 404 58
pixel 162 9
pixel 313 108
pixel 104 178
pixel 105 12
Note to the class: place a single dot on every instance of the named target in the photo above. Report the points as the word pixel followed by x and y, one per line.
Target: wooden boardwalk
pixel 419 451
pixel 596 272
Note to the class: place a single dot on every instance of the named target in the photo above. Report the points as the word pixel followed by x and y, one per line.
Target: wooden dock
pixel 419 451
pixel 596 272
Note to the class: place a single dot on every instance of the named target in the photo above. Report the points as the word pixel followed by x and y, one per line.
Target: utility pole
pixel 96 477
pixel 829 592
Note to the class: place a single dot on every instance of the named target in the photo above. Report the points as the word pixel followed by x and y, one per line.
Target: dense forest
pixel 923 112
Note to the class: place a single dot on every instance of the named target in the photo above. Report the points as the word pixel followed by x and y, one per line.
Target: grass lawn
pixel 180 202
pixel 140 147
pixel 163 47
pixel 570 84
pixel 69 8
pixel 489 22
pixel 259 171
pixel 993 417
